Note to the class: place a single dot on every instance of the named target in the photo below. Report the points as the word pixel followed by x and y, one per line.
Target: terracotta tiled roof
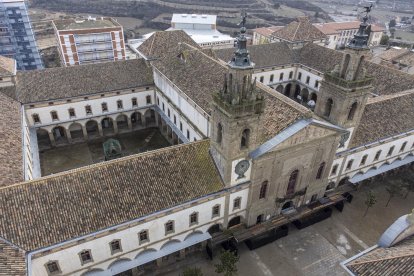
pixel 266 55
pixel 267 31
pixel 392 54
pixel 280 112
pixel 300 30
pixel 197 74
pixel 320 58
pixel 337 27
pixel 58 208
pixel 164 43
pixel 385 116
pixel 11 165
pixel 395 260
pixel 7 66
pixel 12 260
pixel 66 82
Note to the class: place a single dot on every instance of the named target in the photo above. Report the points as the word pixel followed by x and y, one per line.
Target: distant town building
pixel 397 58
pixel 297 33
pixel 16 35
pixel 340 33
pixel 91 40
pixel 331 35
pixel 203 29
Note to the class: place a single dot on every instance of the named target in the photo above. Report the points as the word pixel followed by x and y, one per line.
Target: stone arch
pixel 169 244
pixel 343 181
pixel 352 111
pixel 92 128
pixel 43 139
pixel 93 272
pixel 149 116
pixel 287 205
pixel 297 91
pixel 108 126
pixel 215 228
pixel 193 234
pixel 305 95
pixel 314 97
pixel 75 130
pixel 234 221
pixel 287 89
pixel 118 262
pixel 146 254
pixel 136 119
pixel 279 88
pixel 328 107
pixel 122 122
pixel 59 133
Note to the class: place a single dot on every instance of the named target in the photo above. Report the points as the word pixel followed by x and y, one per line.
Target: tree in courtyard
pixel 192 271
pixel 394 188
pixel 384 39
pixel 369 201
pixel 227 265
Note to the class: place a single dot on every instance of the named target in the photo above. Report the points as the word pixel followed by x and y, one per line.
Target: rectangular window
pixel 85 256
pixel 237 203
pixel 119 104
pixel 377 155
pixel 281 77
pixel 193 218
pixel 72 113
pixel 169 227
pixel 299 76
pixel 168 113
pixel 364 160
pixel 115 246
pixel 158 101
pixel 134 102
pixel 307 80
pixel 316 84
pixel 349 165
pixel 261 79
pixel 143 236
pixel 290 75
pixel 104 107
pixel 215 211
pixel 390 151
pixel 54 115
pixel 163 107
pixel 88 110
pixel 175 120
pixel 36 118
pixel 181 126
pixel 403 146
pixel 148 99
pixel 188 134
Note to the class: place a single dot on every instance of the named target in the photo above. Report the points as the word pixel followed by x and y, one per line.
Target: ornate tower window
pixel 244 143
pixel 320 170
pixel 352 111
pixel 292 182
pixel 219 133
pixel 263 189
pixel 328 107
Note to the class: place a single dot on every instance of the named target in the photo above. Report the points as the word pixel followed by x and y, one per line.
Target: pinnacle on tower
pixel 360 40
pixel 241 58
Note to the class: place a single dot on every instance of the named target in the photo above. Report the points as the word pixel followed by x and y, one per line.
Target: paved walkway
pixel 316 250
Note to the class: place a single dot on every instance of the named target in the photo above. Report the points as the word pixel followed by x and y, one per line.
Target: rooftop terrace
pixel 89 23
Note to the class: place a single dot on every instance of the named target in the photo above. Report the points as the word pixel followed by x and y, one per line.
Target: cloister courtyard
pixel 71 156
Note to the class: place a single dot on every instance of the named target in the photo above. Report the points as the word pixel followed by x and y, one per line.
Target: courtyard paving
pixel 318 249
pixel 77 155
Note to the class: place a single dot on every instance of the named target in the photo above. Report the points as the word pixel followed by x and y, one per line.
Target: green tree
pixel 228 263
pixel 394 189
pixel 369 201
pixel 384 39
pixel 192 271
pixel 392 23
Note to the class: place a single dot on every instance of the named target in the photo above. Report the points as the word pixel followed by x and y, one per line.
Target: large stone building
pixel 248 151
pixel 90 40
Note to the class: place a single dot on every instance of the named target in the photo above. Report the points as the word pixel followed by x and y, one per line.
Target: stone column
pixel 157 119
pixel 52 139
pixel 85 133
pixel 144 121
pixel 100 130
pixel 129 122
pixel 115 126
pixel 68 135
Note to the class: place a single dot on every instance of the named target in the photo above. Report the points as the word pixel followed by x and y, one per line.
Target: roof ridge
pixel 152 43
pixel 383 259
pixel 390 96
pixel 103 164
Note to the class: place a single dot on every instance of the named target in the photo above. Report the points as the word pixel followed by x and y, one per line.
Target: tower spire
pixel 360 40
pixel 241 57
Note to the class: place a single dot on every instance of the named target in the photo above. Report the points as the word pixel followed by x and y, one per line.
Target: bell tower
pixel 236 116
pixel 345 90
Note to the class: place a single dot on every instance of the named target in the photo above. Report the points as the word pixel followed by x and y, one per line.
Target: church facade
pixel 258 133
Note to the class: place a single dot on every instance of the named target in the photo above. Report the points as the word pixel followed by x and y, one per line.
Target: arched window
pixel 345 65
pixel 271 77
pixel 352 111
pixel 261 79
pixel 328 107
pixel 281 77
pixel 320 170
pixel 292 182
pixel 290 75
pixel 219 133
pixel 245 139
pixel 263 190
